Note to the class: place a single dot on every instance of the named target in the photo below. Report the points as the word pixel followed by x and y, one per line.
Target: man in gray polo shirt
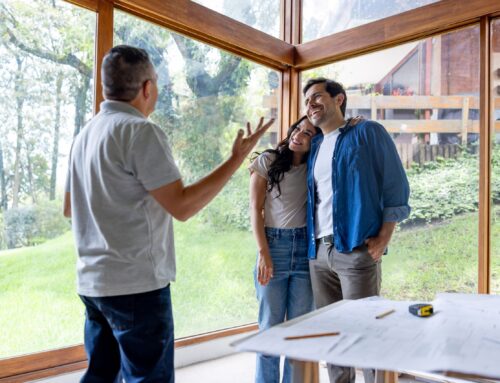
pixel 122 189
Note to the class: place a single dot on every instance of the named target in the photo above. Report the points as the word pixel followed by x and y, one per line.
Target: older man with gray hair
pixel 122 189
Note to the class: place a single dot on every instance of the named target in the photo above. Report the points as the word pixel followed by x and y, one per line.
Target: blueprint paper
pixel 462 336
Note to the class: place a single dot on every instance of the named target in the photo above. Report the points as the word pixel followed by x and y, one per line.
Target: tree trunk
pixel 29 173
pixel 3 184
pixel 81 104
pixel 55 142
pixel 19 92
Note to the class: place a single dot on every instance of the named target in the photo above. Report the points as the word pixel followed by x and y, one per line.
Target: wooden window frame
pixel 290 57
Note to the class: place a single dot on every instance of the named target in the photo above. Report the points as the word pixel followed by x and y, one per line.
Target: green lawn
pixel 40 309
pixel 214 287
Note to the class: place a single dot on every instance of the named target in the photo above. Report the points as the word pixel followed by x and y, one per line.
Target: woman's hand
pixel 354 120
pixel 264 268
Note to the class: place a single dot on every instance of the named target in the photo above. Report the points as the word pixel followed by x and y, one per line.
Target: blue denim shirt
pixel 369 185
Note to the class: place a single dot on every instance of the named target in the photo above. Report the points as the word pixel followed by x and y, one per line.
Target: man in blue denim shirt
pixel 357 192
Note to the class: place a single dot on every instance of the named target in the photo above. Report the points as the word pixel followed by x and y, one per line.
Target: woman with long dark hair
pixel 278 197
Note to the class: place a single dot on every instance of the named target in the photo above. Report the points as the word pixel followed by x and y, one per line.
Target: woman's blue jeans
pixel 130 338
pixel 287 295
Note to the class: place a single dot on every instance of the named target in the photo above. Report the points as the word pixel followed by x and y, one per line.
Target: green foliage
pixel 444 188
pixel 230 209
pixel 33 224
pixel 20 226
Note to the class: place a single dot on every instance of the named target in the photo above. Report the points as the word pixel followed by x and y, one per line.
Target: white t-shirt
pixel 289 209
pixel 324 188
pixel 124 238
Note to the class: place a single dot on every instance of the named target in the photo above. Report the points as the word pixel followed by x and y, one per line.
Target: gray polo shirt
pixel 287 210
pixel 124 238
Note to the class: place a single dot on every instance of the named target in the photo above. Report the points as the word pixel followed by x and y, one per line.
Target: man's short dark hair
pixel 332 87
pixel 124 71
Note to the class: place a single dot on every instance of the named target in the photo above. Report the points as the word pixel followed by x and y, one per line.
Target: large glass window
pixel 263 15
pixel 495 167
pixel 206 95
pixel 426 95
pixel 46 67
pixel 322 18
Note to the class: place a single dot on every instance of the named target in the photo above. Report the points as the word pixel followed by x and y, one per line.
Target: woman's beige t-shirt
pixel 287 210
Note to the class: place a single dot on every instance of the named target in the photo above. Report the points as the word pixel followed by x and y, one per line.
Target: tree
pixel 195 121
pixel 60 42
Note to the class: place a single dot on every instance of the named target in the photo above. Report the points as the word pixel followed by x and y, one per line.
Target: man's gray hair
pixel 124 71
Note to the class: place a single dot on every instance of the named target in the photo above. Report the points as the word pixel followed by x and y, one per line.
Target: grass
pixel 432 258
pixel 39 308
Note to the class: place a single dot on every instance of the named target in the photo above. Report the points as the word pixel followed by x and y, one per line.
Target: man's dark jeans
pixel 130 337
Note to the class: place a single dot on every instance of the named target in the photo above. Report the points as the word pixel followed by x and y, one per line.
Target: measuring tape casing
pixel 421 309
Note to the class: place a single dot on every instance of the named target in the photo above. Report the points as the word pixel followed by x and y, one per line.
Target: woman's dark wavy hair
pixel 283 160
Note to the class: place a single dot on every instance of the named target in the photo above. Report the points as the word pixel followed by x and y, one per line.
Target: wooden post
pixel 428 155
pixel 410 155
pixel 373 104
pixel 404 155
pixel 421 153
pixel 434 152
pixel 390 377
pixel 465 119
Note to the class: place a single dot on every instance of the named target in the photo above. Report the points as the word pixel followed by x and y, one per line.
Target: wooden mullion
pixel 104 42
pixel 285 102
pixel 290 85
pixel 285 20
pixel 485 142
pixel 296 22
pixel 425 21
pixel 290 77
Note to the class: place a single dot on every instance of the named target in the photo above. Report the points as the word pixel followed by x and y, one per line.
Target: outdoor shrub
pixel 230 209
pixel 33 224
pixel 50 220
pixel 20 226
pixel 443 188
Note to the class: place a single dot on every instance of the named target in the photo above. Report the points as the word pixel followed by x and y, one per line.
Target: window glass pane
pixel 263 15
pixel 206 95
pixel 45 98
pixel 495 167
pixel 426 95
pixel 340 15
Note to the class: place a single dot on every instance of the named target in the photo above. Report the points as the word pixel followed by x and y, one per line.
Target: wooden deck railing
pixel 425 106
pixel 462 126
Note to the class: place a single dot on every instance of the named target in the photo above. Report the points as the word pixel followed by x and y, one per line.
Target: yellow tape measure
pixel 421 309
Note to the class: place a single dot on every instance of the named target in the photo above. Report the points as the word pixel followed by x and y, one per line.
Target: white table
pixel 462 337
